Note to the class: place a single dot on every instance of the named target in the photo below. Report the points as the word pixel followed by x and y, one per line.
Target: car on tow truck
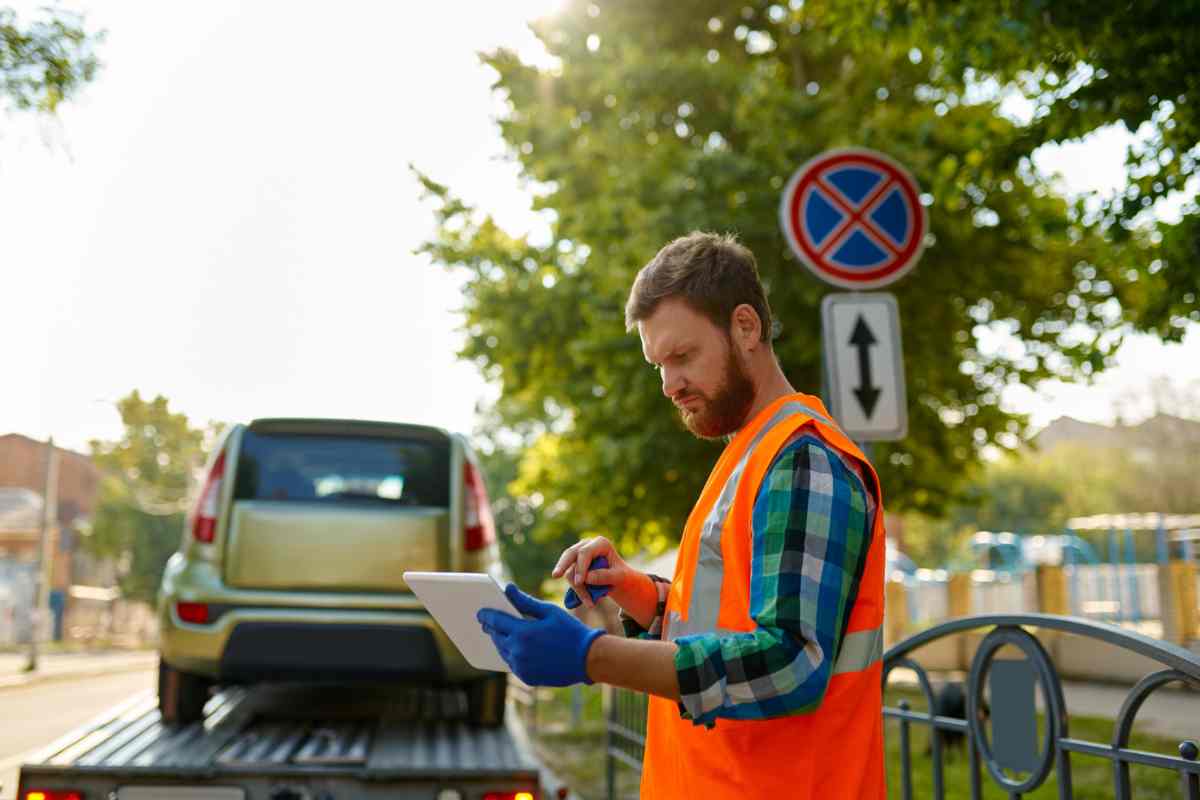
pixel 290 565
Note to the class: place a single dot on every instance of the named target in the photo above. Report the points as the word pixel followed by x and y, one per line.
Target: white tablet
pixel 453 598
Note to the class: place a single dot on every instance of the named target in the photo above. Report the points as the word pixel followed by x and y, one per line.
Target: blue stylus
pixel 572 599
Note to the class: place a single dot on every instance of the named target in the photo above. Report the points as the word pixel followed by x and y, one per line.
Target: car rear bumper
pixel 264 644
pixel 306 651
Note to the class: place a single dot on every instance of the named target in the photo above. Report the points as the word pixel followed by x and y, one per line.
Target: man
pixel 762 653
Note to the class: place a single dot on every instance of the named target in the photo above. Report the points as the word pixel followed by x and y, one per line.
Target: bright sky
pixel 226 217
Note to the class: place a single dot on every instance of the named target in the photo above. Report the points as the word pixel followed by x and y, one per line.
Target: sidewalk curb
pixel 132 664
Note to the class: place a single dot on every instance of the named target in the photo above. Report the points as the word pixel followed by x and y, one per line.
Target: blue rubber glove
pixel 572 599
pixel 548 647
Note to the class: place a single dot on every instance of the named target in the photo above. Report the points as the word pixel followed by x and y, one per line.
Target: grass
pixel 572 744
pixel 1091 776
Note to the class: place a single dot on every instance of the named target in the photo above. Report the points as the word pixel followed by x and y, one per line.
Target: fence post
pixel 1070 545
pixel 1114 558
pixel 1177 593
pixel 1135 601
pixel 610 761
pixel 1188 601
pixel 576 706
pixel 1161 548
pixel 1052 589
pixel 958 590
pixel 896 610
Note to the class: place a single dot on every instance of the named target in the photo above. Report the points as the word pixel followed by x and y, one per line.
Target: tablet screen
pixel 453 598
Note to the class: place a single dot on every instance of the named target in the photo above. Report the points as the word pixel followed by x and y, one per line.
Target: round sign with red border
pixel 854 217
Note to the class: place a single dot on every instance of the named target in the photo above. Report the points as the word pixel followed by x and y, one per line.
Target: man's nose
pixel 672 382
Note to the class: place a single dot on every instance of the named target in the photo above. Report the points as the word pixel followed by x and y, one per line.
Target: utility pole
pixel 41 591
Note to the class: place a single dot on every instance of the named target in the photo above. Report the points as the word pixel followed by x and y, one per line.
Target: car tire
pixel 181 695
pixel 486 701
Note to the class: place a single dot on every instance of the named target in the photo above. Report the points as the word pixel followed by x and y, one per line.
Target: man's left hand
pixel 548 647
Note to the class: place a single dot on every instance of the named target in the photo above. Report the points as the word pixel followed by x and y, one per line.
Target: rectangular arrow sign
pixel 864 365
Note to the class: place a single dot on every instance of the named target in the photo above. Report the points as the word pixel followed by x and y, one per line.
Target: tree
pixel 1082 65
pixel 529 558
pixel 147 479
pixel 1147 469
pixel 45 62
pixel 1163 470
pixel 663 117
pixel 1029 492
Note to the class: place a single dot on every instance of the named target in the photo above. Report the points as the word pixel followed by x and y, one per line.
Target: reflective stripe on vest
pixel 705 601
pixel 860 649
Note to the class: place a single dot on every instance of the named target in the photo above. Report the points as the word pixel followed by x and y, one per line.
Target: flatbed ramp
pixel 292 743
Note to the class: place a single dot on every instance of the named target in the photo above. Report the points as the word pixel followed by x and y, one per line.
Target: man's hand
pixel 632 590
pixel 572 601
pixel 576 565
pixel 549 647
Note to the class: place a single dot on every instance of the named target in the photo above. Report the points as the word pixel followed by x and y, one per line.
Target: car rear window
pixel 343 469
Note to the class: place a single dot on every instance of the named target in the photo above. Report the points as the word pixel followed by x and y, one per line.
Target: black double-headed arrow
pixel 862 339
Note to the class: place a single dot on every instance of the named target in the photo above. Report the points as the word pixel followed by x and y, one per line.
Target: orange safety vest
pixel 832 753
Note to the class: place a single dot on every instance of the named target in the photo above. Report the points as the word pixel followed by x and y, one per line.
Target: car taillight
pixel 479 528
pixel 53 794
pixel 204 524
pixel 195 613
pixel 510 796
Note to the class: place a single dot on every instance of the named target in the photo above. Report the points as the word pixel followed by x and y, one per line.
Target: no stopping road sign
pixel 854 218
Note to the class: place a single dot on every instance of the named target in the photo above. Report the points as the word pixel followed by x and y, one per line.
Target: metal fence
pixel 1114 592
pixel 1118 593
pixel 1009 752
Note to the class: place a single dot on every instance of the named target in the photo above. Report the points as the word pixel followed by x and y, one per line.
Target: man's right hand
pixel 631 589
pixel 575 564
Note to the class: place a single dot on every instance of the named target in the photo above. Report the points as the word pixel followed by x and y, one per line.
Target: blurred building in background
pixel 80 585
pixel 1145 441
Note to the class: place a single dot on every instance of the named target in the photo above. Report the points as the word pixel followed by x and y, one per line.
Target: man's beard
pixel 726 411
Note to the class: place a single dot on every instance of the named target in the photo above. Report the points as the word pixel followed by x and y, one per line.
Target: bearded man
pixel 761 655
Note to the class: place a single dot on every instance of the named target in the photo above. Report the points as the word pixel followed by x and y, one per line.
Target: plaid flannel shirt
pixel 812 527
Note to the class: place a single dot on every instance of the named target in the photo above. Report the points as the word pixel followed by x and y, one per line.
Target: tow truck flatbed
pixel 292 743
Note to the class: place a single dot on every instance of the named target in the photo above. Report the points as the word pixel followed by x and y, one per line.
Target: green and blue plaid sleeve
pixel 811 527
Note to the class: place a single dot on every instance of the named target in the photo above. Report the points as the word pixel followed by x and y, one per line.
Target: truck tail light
pixel 195 613
pixel 204 521
pixel 480 528
pixel 53 794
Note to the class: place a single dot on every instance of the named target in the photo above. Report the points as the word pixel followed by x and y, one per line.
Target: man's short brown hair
pixel 713 273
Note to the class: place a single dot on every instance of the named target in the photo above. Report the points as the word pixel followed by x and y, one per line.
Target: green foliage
pixel 1038 492
pixel 664 117
pixel 144 491
pixel 1030 492
pixel 45 62
pixel 527 551
pixel 1082 65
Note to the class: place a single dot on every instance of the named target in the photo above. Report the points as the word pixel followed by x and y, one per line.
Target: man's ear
pixel 746 327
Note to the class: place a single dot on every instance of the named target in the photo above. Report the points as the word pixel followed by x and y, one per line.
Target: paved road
pixel 35 715
pixel 57 666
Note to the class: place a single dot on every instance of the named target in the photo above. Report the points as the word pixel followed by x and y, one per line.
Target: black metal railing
pixel 1009 754
pixel 525 700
